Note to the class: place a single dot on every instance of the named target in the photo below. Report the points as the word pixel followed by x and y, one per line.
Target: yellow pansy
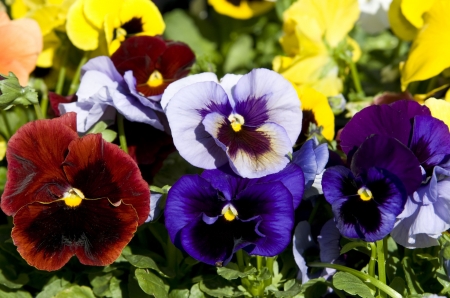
pixel 89 21
pixel 315 32
pixel 429 52
pixel 316 104
pixel 242 9
pixel 440 109
pixel 2 147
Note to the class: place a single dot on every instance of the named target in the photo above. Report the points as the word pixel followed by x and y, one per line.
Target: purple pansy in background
pixel 427 211
pixel 250 121
pixel 214 215
pixel 367 198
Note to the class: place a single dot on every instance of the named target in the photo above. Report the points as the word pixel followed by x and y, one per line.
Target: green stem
pixel 313 212
pixel 61 74
pixel 259 263
pixel 74 84
pixel 8 129
pixel 373 259
pixel 240 260
pixel 171 256
pixel 269 264
pixel 122 138
pixel 355 77
pixel 364 277
pixel 381 263
pixel 38 111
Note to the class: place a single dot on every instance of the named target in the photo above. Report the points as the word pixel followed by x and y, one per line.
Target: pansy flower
pixel 213 215
pixel 71 196
pixel 250 121
pixel 241 9
pixel 367 198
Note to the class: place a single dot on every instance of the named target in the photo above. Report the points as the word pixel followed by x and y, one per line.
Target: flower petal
pixel 35 154
pixel 282 103
pixel 89 113
pixel 301 242
pixel 104 65
pixel 48 235
pixel 81 32
pixel 102 170
pixel 312 158
pixel 185 113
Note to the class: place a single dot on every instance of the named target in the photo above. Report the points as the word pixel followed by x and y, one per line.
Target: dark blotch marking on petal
pixel 361 213
pixel 254 143
pixel 238 2
pixel 133 26
pixel 308 118
pixel 254 111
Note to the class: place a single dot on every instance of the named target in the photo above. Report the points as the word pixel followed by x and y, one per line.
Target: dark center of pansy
pixel 73 197
pixel 132 27
pixel 238 2
pixel 229 212
pixel 236 122
pixel 365 194
pixel 156 79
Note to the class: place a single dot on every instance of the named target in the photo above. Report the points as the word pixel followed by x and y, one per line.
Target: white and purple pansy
pixel 249 121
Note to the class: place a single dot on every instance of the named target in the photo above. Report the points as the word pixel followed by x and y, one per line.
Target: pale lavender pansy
pixel 249 121
pixel 103 91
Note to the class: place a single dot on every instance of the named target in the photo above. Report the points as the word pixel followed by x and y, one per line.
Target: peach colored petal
pixel 21 44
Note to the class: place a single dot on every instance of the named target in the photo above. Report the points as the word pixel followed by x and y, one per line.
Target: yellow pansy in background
pixel 440 109
pixel 429 53
pixel 242 9
pixel 315 36
pixel 51 17
pixel 2 147
pixel 317 110
pixel 90 21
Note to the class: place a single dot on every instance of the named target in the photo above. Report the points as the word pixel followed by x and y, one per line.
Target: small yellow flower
pixel 242 9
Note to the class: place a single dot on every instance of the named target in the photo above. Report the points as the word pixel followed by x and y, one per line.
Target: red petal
pixel 142 68
pixel 56 99
pixel 139 46
pixel 48 235
pixel 102 170
pixel 176 61
pixel 35 154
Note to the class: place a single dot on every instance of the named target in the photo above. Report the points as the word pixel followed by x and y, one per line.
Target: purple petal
pixel 430 148
pixel 312 159
pixel 104 65
pixel 387 153
pixel 329 242
pixel 89 113
pixel 96 86
pixel 226 181
pixel 151 102
pixel 281 99
pixel 392 120
pixel 273 203
pixel 185 113
pixel 176 86
pixel 228 82
pixel 301 242
pixel 188 199
pixel 155 209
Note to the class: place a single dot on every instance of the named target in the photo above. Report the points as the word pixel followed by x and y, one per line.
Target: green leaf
pixel 351 284
pixel 411 282
pixel 76 292
pixel 7 293
pixel 100 284
pixel 351 245
pixel 2 178
pixel 231 271
pixel 314 288
pixel 398 284
pixel 196 292
pixel 145 262
pixel 217 287
pixel 179 294
pixel 150 283
pixel 53 288
pixel 17 283
pixel 292 288
pixel 109 135
pixel 114 288
pixel 14 94
pixel 240 54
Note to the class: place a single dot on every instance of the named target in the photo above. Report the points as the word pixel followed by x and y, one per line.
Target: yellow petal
pixel 51 43
pixel 244 10
pixel 49 17
pixel 80 31
pixel 152 21
pixel 429 52
pixel 2 148
pixel 316 102
pixel 95 11
pixel 413 10
pixel 19 9
pixel 399 24
pixel 440 109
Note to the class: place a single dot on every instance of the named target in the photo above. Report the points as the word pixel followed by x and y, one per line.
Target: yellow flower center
pixel 365 194
pixel 121 34
pixel 73 198
pixel 229 212
pixel 156 79
pixel 236 122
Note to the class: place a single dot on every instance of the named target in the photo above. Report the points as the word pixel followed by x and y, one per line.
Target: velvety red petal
pixel 141 66
pixel 176 61
pixel 139 46
pixel 35 154
pixel 48 235
pixel 56 99
pixel 102 170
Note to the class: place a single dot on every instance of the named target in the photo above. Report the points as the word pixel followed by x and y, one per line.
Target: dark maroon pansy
pixel 70 195
pixel 55 99
pixel 155 62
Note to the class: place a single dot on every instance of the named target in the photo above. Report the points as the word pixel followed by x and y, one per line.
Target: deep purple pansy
pixel 250 121
pixel 131 82
pixel 71 196
pixel 213 215
pixel 367 198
